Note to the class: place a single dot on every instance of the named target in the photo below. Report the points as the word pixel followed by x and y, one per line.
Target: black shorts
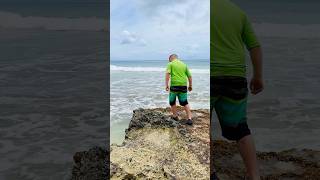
pixel 228 97
pixel 181 93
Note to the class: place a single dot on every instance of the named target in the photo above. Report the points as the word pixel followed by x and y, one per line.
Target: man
pixel 179 73
pixel 231 32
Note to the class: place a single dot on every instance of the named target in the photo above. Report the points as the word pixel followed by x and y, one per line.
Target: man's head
pixel 173 57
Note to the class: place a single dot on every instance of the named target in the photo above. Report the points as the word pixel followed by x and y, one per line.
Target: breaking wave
pixel 152 69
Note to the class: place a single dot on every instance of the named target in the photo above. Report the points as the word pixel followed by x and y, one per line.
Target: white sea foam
pixel 11 20
pixel 152 69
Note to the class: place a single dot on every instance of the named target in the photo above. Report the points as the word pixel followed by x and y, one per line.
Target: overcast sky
pixel 151 30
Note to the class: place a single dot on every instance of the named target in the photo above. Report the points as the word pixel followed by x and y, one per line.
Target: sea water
pixel 141 84
pixel 53 75
pixel 51 105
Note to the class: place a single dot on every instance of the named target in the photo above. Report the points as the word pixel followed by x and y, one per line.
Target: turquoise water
pixel 141 84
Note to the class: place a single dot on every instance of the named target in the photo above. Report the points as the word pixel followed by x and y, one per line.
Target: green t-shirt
pixel 230 32
pixel 179 73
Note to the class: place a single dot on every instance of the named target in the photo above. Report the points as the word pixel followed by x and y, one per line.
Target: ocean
pixel 53 100
pixel 141 84
pixel 52 87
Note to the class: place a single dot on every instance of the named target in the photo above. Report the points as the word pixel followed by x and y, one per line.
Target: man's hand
pixel 167 81
pixel 190 88
pixel 256 85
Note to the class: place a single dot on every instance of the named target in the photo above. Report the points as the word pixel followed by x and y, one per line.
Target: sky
pixel 151 30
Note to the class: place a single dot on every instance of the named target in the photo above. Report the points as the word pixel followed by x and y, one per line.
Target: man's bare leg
pixel 248 152
pixel 188 111
pixel 174 111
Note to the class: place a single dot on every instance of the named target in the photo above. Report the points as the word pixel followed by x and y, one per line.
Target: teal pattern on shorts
pixel 182 97
pixel 228 97
pixel 230 112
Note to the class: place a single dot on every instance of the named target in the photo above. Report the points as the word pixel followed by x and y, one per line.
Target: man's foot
pixel 189 122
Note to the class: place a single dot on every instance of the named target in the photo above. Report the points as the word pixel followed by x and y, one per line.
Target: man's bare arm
pixel 256 84
pixel 190 83
pixel 256 59
pixel 167 81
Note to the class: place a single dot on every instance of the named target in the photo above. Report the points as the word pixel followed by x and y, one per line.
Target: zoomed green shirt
pixel 179 73
pixel 230 32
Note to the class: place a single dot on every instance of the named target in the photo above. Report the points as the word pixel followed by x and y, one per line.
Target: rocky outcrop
pixel 91 165
pixel 291 164
pixel 159 147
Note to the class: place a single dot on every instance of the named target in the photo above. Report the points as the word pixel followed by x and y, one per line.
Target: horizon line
pixel 156 59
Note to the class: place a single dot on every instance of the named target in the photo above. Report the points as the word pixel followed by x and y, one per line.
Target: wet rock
pixel 91 165
pixel 291 164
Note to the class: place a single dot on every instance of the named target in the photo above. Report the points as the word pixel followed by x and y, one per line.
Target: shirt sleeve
pixel 188 72
pixel 248 35
pixel 168 68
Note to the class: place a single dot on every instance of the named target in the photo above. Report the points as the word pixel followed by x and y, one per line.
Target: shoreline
pixel 120 133
pixel 156 146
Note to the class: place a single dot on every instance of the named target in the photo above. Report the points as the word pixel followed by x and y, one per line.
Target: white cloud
pixel 132 38
pixel 155 7
pixel 181 26
pixel 142 42
pixel 193 47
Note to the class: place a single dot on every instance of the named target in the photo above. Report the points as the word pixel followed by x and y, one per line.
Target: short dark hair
pixel 173 55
